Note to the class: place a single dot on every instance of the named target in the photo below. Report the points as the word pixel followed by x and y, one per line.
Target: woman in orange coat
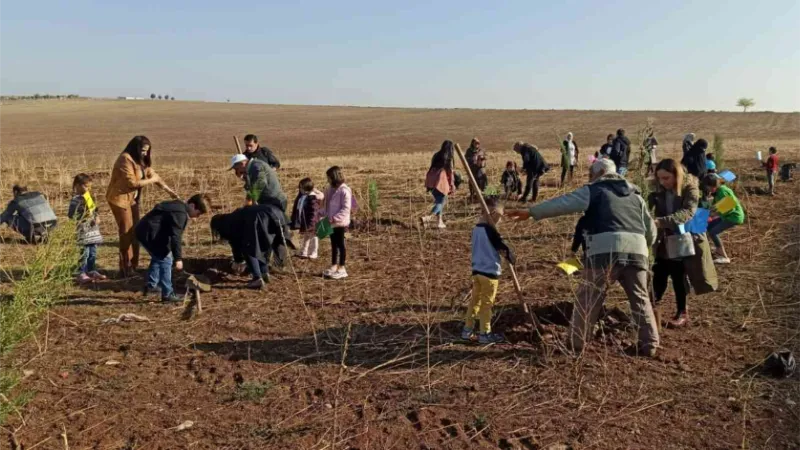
pixel 130 174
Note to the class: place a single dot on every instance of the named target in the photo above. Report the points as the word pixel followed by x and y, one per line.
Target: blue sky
pixel 672 55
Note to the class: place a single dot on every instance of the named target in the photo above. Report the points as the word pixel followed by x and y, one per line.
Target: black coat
pixel 620 151
pixel 695 159
pixel 160 231
pixel 303 219
pixel 266 155
pixel 252 231
pixel 532 161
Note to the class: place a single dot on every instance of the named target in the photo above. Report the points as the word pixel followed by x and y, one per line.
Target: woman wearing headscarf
pixel 476 159
pixel 132 171
pixel 569 157
pixel 695 159
pixel 688 141
pixel 440 182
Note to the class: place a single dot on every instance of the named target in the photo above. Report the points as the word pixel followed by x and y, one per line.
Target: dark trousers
pixel 257 267
pixel 531 187
pixel 564 170
pixel 664 269
pixel 338 251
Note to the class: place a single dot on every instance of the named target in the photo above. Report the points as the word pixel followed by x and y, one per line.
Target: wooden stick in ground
pixel 488 216
pixel 238 147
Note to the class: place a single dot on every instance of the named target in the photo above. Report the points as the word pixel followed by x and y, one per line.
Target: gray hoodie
pixel 619 229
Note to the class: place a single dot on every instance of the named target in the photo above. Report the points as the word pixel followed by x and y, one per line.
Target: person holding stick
pixel 253 150
pixel 569 157
pixel 486 269
pixel 619 234
pixel 132 171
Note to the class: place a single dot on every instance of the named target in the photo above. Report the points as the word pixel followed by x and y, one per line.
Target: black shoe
pixel 171 298
pixel 148 291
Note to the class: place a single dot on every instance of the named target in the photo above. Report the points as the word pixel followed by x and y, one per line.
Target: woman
pixel 476 158
pixel 440 183
pixel 651 158
pixel 695 159
pixel 130 174
pixel 569 157
pixel 674 198
pixel 688 141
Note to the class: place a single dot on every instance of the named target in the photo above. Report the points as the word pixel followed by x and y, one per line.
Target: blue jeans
pixel 88 262
pixel 438 202
pixel 160 273
pixel 622 171
pixel 716 227
pixel 257 267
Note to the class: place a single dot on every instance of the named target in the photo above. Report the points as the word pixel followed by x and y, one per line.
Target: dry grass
pixel 368 363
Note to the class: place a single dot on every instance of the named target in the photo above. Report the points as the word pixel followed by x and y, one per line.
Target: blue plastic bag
pixel 727 175
pixel 699 223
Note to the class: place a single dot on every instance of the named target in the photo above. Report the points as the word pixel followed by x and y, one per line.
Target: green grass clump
pixel 252 392
pixel 47 279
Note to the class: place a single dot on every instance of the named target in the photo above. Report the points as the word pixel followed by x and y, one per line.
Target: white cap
pixel 236 159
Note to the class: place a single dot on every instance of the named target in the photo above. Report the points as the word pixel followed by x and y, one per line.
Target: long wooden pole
pixel 236 140
pixel 488 215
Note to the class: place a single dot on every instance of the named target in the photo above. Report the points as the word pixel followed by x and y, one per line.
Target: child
pixel 711 165
pixel 83 209
pixel 486 269
pixel 512 183
pixel 772 168
pixel 715 186
pixel 160 232
pixel 338 205
pixel 304 217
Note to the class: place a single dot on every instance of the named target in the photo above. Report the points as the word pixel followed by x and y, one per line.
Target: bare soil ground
pixel 370 362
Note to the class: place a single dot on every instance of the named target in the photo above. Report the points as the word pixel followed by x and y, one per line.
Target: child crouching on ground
pixel 83 209
pixel 338 205
pixel 486 269
pixel 160 232
pixel 722 221
pixel 304 217
pixel 512 183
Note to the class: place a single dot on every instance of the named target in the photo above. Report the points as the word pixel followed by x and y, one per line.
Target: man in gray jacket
pixel 619 233
pixel 260 181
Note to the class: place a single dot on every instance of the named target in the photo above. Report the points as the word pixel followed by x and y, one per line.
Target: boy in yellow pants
pixel 486 269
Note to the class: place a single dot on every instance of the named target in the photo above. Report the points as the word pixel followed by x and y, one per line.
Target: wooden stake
pixel 238 147
pixel 534 321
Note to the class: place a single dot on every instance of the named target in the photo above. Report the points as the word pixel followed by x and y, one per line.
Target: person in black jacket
pixel 606 149
pixel 620 152
pixel 695 159
pixel 253 233
pixel 512 184
pixel 253 150
pixel 160 232
pixel 534 166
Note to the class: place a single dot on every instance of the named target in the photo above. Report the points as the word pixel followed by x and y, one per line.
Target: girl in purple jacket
pixel 338 206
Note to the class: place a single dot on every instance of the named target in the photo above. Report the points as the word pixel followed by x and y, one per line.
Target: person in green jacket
pixel 722 221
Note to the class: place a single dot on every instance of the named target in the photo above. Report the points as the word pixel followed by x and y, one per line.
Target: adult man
pixel 253 150
pixel 620 152
pixel 619 233
pixel 534 166
pixel 260 181
pixel 264 189
pixel 29 214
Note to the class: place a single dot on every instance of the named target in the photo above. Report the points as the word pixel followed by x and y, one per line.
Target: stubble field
pixel 369 362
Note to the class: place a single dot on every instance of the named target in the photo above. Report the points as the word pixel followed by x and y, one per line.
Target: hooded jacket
pixel 161 230
pixel 262 185
pixel 681 211
pixel 618 226
pixel 620 151
pixel 29 213
pixel 695 159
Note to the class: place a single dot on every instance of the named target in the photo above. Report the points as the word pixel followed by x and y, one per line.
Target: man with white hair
pixel 619 233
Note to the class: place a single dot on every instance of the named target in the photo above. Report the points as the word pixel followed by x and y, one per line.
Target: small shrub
pixel 719 152
pixel 252 392
pixel 374 198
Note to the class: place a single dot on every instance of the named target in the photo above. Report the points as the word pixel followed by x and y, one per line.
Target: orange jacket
pixel 126 180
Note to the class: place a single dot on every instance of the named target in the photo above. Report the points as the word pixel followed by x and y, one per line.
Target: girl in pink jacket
pixel 338 206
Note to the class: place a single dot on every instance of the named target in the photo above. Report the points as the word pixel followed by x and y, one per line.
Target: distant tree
pixel 159 97
pixel 166 97
pixel 745 103
pixel 152 96
pixel 173 98
pixel 37 96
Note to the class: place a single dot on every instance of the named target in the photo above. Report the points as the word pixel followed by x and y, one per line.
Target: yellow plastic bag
pixel 570 266
pixel 725 205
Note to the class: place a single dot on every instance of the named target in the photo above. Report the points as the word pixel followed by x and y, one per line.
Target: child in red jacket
pixel 772 168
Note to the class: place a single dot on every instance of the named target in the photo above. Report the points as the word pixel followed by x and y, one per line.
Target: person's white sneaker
pixel 722 260
pixel 339 274
pixel 328 272
pixel 441 225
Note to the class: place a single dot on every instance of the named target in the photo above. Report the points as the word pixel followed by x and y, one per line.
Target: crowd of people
pixel 618 229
